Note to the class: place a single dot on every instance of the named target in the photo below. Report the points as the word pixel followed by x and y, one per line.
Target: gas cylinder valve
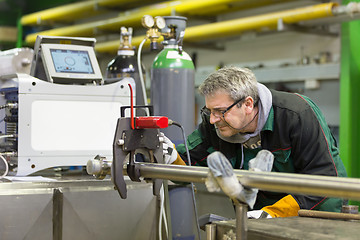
pixel 153 25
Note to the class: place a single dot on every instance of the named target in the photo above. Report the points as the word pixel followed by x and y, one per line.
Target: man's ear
pixel 249 104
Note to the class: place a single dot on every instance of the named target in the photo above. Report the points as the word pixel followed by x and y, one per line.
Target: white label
pixel 176 55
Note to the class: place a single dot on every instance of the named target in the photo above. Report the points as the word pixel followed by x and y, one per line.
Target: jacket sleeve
pixel 198 149
pixel 314 149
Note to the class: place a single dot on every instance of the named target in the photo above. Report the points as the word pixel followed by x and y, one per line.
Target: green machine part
pixel 350 96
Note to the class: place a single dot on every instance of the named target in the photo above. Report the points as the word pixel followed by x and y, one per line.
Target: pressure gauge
pixel 147 21
pixel 160 22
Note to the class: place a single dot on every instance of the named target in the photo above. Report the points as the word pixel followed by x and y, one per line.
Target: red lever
pixel 151 122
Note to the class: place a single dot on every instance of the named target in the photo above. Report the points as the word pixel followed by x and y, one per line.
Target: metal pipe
pixel 73 11
pixel 348 188
pixel 235 27
pixel 132 18
pixel 328 215
pixel 129 18
pixel 269 21
pixel 70 12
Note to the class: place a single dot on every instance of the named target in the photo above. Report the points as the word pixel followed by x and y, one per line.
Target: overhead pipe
pixel 133 17
pixel 78 10
pixel 268 21
pixel 70 12
pixel 243 5
pixel 235 27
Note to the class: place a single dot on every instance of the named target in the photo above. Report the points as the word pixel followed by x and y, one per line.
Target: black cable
pixel 192 184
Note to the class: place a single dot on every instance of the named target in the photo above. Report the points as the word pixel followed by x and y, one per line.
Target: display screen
pixel 71 61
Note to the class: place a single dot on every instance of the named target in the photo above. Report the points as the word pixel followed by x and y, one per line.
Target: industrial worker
pixel 242 117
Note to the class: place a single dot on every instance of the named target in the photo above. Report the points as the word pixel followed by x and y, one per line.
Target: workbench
pixel 294 228
pixel 76 208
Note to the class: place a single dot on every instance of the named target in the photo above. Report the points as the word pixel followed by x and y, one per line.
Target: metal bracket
pixel 126 141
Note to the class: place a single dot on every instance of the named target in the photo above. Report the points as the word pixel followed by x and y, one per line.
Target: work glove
pixel 221 176
pixel 169 151
pixel 263 162
pixel 257 214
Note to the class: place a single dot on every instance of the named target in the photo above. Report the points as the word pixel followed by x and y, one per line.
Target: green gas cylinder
pixel 172 83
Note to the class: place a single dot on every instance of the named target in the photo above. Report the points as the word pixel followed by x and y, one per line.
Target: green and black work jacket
pixel 295 132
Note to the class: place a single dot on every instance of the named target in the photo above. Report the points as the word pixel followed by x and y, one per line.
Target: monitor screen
pixel 71 61
pixel 70 64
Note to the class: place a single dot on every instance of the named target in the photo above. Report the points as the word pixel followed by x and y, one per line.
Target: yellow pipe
pixel 235 27
pixel 235 6
pixel 130 18
pixel 70 12
pixel 66 12
pixel 269 21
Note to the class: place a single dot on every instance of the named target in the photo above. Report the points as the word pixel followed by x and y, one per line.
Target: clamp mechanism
pixel 132 134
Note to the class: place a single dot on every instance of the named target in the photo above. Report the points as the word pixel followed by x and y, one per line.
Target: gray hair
pixel 237 82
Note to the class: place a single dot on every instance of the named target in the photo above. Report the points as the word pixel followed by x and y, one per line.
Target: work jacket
pixel 295 132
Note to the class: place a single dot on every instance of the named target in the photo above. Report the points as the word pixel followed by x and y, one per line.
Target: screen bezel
pixel 70 78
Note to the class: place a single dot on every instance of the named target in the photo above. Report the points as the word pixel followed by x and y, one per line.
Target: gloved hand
pixel 263 162
pixel 221 176
pixel 229 185
pixel 169 151
pixel 256 214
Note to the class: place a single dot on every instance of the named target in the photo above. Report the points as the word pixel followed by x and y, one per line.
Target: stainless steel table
pixel 76 208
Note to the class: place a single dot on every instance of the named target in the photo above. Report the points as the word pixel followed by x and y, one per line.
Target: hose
pixel 162 213
pixel 6 167
pixel 141 74
pixel 8 136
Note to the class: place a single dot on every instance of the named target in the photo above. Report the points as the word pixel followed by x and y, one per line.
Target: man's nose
pixel 214 119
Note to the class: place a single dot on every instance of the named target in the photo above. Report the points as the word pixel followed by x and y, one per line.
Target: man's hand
pixel 221 176
pixel 263 162
pixel 169 150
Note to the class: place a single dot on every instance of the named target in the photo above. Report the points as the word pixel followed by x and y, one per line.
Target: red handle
pixel 151 122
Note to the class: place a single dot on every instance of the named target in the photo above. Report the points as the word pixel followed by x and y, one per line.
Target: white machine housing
pixel 66 120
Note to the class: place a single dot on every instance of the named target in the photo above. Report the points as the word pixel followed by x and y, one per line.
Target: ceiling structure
pixel 208 20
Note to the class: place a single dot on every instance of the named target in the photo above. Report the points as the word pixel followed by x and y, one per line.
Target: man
pixel 242 117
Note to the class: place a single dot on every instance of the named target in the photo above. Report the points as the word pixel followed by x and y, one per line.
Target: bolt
pixel 120 142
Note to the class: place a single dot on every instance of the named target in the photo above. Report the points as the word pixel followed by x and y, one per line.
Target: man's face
pixel 228 123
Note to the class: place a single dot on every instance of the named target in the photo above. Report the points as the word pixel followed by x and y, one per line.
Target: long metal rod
pixel 348 188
